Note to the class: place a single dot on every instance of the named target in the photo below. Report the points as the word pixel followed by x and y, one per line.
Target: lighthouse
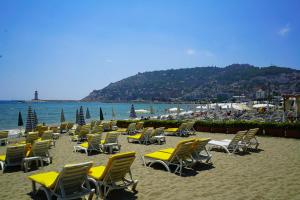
pixel 36 95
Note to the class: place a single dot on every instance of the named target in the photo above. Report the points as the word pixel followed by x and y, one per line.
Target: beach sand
pixel 272 173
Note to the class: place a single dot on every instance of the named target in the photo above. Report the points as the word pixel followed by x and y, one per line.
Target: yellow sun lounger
pixel 39 153
pixel 113 175
pixel 71 183
pixel 14 156
pixel 180 131
pixel 110 142
pixel 177 157
pixel 93 144
pixel 199 152
pixel 130 130
pixel 143 137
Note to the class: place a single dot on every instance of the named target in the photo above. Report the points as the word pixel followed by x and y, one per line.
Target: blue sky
pixel 65 49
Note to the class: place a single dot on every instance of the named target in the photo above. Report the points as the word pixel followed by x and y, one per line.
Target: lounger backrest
pixel 84 131
pixel 118 166
pixel 3 134
pixel 147 133
pixel 72 178
pixel 97 129
pixel 47 135
pixel 131 127
pixel 31 137
pixel 70 125
pixel 111 137
pixel 95 141
pixel 113 123
pixel 93 123
pixel 63 126
pixel 41 148
pixel 160 130
pixel 199 144
pixel 15 154
pixel 250 135
pixel 139 125
pixel 237 138
pixel 106 126
pixel 54 129
pixel 190 125
pixel 183 150
pixel 182 126
pixel 87 126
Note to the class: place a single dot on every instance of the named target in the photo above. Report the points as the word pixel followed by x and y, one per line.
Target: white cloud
pixel 284 30
pixel 190 51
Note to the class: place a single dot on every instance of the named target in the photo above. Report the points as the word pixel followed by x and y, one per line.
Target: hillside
pixel 200 83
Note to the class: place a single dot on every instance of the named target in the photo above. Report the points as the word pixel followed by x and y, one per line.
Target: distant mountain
pixel 200 83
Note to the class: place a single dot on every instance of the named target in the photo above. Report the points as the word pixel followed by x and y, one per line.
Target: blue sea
pixel 49 112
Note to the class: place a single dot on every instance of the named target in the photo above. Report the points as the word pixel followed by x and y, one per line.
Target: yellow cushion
pixel 2 157
pixel 47 179
pixel 171 129
pixel 97 172
pixel 159 155
pixel 85 145
pixel 122 130
pixel 102 141
pixel 136 136
pixel 169 150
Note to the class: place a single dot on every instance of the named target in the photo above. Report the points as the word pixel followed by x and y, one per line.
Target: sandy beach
pixel 271 173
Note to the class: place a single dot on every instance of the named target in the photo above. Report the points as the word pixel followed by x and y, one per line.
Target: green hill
pixel 200 83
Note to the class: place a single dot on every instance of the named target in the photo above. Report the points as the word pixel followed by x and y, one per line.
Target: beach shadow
pixel 12 169
pixel 186 172
pixel 203 166
pixel 255 150
pixel 239 153
pixel 122 195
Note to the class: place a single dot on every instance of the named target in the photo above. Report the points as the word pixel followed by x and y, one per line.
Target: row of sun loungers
pixel 74 180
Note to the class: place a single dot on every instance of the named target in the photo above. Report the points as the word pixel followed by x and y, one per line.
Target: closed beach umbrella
pixel 81 117
pixel 29 120
pixel 62 116
pixel 77 117
pixel 101 115
pixel 132 112
pixel 87 114
pixel 151 110
pixel 35 120
pixel 113 114
pixel 20 119
pixel 178 110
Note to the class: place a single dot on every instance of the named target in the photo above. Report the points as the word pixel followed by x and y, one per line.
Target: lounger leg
pixel 33 187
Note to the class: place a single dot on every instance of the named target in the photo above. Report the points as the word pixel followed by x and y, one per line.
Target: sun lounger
pixel 180 131
pixel 113 175
pixel 230 146
pixel 157 135
pixel 71 183
pixel 250 140
pixel 14 156
pixel 142 138
pixel 39 153
pixel 130 130
pixel 178 157
pixel 110 143
pixel 93 144
pixel 3 137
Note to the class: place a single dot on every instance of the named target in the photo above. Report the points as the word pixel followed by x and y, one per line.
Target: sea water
pixel 49 112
